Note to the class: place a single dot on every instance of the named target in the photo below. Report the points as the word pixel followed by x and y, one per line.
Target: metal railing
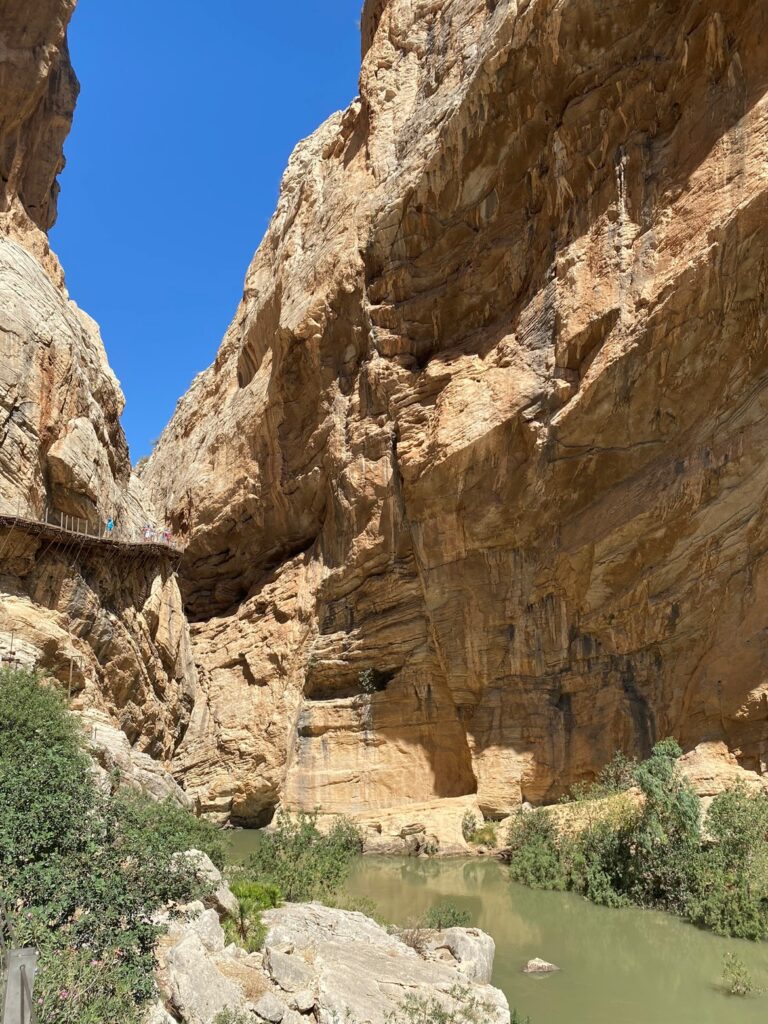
pixel 101 531
pixel 78 527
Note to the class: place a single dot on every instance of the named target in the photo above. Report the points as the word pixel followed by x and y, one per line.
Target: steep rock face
pixel 112 629
pixel 38 91
pixel 474 488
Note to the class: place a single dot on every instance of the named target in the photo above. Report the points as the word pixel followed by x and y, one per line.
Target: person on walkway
pixel 110 526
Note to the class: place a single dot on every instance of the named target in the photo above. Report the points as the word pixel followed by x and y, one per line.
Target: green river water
pixel 617 966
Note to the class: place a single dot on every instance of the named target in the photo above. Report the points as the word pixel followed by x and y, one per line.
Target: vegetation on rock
pixel 246 929
pixel 658 853
pixel 466 1008
pixel 482 834
pixel 83 873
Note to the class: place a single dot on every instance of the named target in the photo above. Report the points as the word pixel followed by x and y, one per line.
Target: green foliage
pixel 474 832
pixel 303 863
pixel 468 825
pixel 446 914
pixel 485 835
pixel 367 680
pixel 246 928
pixel 736 978
pixel 535 858
pixel 731 892
pixel 82 873
pixel 615 777
pixel 660 857
pixel 517 1019
pixel 667 837
pixel 465 1008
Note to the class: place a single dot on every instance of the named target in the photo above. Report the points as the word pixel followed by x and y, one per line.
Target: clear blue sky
pixel 188 112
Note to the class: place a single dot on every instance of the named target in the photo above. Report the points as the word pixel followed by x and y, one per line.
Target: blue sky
pixel 187 115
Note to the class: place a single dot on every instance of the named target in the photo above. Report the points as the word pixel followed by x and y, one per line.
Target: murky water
pixel 618 966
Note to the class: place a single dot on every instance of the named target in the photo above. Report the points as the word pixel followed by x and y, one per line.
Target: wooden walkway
pixel 71 530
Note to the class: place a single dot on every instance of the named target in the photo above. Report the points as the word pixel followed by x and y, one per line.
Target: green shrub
pixel 446 914
pixel 535 858
pixel 246 928
pixel 301 861
pixel 659 857
pixel 736 978
pixel 82 873
pixel 468 826
pixel 666 839
pixel 615 777
pixel 485 835
pixel 731 894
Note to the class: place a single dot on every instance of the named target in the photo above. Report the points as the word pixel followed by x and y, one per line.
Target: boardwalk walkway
pixel 61 529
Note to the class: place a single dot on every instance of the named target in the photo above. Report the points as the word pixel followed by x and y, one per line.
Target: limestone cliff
pixel 475 486
pixel 112 627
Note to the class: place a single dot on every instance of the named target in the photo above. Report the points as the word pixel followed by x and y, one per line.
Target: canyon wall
pixel 475 487
pixel 109 627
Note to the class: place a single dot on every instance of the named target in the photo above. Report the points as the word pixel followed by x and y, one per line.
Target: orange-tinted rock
pixel 487 429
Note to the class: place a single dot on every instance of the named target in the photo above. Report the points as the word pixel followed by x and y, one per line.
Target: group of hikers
pixel 149 534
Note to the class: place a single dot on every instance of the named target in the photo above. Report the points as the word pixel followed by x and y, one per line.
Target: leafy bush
pixel 82 873
pixel 468 825
pixel 659 857
pixel 736 977
pixel 486 835
pixel 303 863
pixel 446 914
pixel 535 854
pixel 615 777
pixel 731 891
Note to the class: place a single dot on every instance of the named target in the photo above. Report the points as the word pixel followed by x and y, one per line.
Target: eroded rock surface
pixel 474 488
pixel 320 965
pixel 111 629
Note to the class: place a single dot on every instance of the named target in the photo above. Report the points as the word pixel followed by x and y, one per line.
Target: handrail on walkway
pixel 118 538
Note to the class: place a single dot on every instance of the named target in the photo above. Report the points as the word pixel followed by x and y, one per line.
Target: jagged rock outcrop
pixel 320 965
pixel 474 488
pixel 111 628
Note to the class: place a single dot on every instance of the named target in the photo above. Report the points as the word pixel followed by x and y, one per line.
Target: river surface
pixel 618 966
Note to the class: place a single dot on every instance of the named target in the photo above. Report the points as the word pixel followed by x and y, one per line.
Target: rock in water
pixel 537 966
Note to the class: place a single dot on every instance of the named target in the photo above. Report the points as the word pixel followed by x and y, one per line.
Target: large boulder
pixel 472 950
pixel 711 768
pixel 361 973
pixel 220 897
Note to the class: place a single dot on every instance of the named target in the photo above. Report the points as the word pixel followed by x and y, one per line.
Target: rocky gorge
pixel 473 489
pixel 472 493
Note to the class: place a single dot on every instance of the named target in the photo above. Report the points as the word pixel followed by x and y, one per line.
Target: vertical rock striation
pixel 474 488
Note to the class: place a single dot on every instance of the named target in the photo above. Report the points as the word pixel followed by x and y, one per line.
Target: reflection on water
pixel 618 966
